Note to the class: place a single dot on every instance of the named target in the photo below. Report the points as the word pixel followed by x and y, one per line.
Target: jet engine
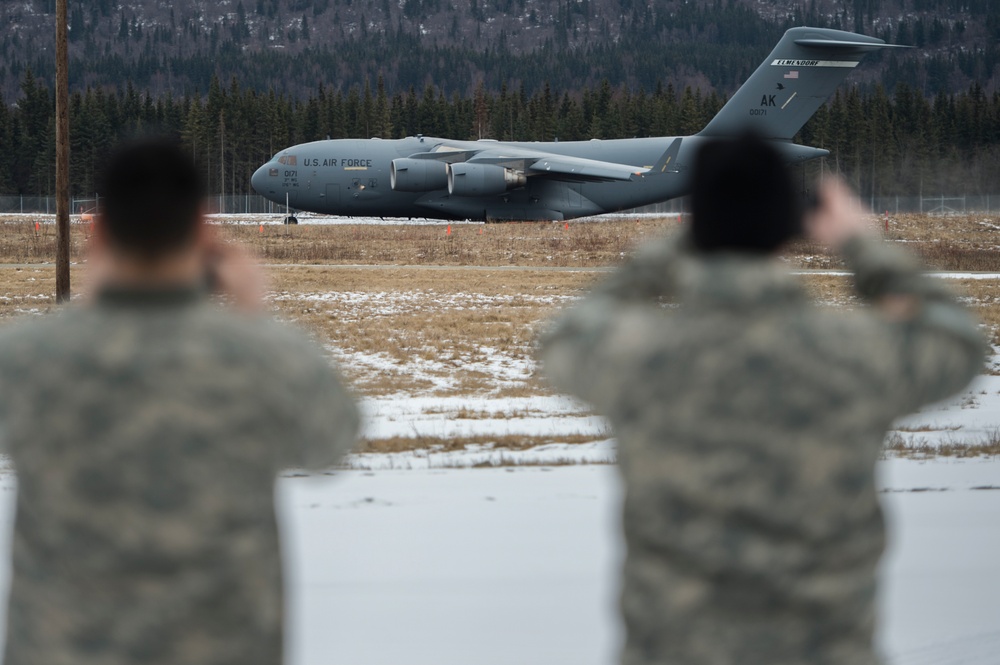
pixel 417 175
pixel 466 179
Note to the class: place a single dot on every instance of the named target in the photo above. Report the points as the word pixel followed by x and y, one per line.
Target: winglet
pixel 667 163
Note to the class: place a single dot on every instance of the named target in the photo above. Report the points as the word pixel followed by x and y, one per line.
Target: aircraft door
pixel 332 195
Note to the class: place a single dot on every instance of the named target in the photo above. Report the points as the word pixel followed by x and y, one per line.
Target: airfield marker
pixel 262 228
pixel 567 226
pixel 449 230
pixel 37 227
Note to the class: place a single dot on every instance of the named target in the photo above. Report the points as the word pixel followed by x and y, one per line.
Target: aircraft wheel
pixel 291 219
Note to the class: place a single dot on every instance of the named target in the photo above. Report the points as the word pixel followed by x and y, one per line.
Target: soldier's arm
pixel 940 347
pixel 937 340
pixel 584 347
pixel 328 419
pixel 334 431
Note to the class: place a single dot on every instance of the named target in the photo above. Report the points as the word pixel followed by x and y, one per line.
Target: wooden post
pixel 62 156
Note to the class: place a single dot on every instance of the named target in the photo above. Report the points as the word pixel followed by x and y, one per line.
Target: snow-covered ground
pixel 519 565
pixel 415 557
pixel 971 417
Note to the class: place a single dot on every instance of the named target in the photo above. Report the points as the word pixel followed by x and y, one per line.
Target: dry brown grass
pixel 406 330
pixel 460 443
pixel 27 290
pixel 983 296
pixel 433 314
pixel 22 242
pixel 525 244
pixel 946 243
pixel 441 326
pixel 897 445
pixel 928 428
pixel 829 289
pixel 958 242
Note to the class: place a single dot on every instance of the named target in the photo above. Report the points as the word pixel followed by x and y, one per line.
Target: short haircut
pixel 150 193
pixel 743 199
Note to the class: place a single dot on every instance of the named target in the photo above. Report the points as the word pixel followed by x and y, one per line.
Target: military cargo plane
pixel 490 180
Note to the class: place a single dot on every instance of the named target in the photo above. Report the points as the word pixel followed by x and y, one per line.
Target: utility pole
pixel 62 156
pixel 222 159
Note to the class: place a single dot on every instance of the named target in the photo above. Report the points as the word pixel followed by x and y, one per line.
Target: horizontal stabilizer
pixel 835 43
pixel 793 153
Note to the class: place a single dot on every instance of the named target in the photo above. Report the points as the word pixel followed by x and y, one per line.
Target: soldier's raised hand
pixel 838 216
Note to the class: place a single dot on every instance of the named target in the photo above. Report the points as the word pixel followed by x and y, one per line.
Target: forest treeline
pixel 291 45
pixel 886 143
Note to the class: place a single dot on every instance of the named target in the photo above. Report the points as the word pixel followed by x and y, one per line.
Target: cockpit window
pixel 287 160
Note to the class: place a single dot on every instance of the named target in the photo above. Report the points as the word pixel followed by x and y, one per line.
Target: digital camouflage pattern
pixel 749 421
pixel 146 432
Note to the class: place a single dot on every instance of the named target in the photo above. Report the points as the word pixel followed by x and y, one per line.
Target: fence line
pixel 246 204
pixel 240 204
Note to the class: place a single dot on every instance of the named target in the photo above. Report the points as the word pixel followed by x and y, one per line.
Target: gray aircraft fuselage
pixel 424 176
pixel 352 177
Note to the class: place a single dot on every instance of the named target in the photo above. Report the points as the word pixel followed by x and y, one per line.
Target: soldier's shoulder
pixel 35 330
pixel 261 327
pixel 281 343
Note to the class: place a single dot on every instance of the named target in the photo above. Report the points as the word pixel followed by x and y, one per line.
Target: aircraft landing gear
pixel 290 217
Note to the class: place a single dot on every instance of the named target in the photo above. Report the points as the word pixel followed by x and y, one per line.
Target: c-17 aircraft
pixel 490 180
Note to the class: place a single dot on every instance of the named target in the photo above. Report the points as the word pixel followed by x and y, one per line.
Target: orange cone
pixel 567 226
pixel 37 226
pixel 449 230
pixel 261 228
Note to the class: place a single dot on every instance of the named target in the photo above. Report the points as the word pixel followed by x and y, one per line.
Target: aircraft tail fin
pixel 797 77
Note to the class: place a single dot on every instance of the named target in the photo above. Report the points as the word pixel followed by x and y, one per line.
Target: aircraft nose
pixel 259 180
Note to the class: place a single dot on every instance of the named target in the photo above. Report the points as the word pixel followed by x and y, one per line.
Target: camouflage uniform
pixel 749 421
pixel 146 431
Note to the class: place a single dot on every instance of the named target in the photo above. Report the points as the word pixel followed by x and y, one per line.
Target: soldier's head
pixel 743 199
pixel 151 197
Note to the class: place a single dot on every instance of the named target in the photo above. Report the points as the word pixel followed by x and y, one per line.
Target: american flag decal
pixel 794 74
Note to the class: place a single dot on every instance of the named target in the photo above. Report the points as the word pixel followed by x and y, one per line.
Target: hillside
pixel 292 46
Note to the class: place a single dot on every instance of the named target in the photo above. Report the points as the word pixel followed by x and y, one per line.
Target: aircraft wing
pixel 446 153
pixel 578 167
pixel 536 163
